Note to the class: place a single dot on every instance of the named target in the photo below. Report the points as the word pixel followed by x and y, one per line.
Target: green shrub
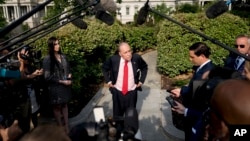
pixel 174 41
pixel 188 8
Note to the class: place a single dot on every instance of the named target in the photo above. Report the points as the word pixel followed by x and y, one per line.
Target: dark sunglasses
pixel 241 46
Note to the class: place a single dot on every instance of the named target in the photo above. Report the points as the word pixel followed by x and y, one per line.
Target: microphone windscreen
pixel 79 23
pixel 217 9
pixel 109 5
pixel 104 17
pixel 143 13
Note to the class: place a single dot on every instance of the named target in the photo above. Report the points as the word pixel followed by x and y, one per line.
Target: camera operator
pixel 32 74
pixel 14 120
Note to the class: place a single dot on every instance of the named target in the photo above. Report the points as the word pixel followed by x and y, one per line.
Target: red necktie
pixel 125 79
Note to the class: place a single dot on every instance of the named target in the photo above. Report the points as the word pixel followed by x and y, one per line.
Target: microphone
pixel 217 9
pixel 14 24
pixel 104 17
pixel 143 13
pixel 79 23
pixel 100 11
pixel 109 5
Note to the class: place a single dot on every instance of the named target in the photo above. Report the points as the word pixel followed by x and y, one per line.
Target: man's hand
pixel 37 73
pixel 22 52
pixel 139 84
pixel 65 82
pixel 175 92
pixel 110 85
pixel 179 108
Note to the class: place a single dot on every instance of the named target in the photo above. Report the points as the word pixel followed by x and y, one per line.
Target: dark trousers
pixel 122 102
pixel 187 129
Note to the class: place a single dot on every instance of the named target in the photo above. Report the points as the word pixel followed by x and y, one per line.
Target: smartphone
pixel 168 90
pixel 171 101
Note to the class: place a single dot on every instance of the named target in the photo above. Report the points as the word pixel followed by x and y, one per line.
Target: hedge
pixel 174 40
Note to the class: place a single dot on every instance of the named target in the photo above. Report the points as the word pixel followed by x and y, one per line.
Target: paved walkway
pixel 155 118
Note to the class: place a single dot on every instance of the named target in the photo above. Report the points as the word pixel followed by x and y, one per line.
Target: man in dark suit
pixel 235 62
pixel 120 67
pixel 199 55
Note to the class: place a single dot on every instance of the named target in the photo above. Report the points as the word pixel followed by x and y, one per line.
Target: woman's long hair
pixel 51 46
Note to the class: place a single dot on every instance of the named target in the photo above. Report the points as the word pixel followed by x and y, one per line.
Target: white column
pixel 5 13
pixel 230 7
pixel 15 13
pixel 45 9
pixel 29 8
pixel 18 11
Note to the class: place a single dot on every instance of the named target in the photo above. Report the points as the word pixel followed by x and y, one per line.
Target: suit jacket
pixel 194 113
pixel 230 62
pixel 187 91
pixel 110 68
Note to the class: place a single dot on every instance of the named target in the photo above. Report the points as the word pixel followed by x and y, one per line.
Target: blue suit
pixel 187 91
pixel 193 114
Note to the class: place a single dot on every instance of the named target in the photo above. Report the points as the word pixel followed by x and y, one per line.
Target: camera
pixel 32 54
pixel 110 129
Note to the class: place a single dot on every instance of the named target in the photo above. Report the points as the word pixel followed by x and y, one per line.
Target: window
pixel 127 10
pixel 136 9
pixel 24 10
pixel 1 10
pixel 11 12
pixel 119 10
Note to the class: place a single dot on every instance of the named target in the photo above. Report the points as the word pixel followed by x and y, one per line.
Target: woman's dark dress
pixel 59 93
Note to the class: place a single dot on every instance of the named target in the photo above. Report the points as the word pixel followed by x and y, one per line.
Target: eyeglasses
pixel 56 44
pixel 241 46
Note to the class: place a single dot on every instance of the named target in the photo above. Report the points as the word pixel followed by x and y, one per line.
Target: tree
pixel 162 9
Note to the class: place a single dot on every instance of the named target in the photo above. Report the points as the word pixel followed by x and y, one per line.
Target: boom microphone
pixel 143 13
pixel 100 11
pixel 79 23
pixel 109 5
pixel 104 17
pixel 14 24
pixel 217 9
pixel 196 32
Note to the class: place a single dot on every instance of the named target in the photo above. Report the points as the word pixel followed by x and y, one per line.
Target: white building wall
pixel 135 6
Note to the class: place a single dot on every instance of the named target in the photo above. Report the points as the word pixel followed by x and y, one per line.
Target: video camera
pixel 33 56
pixel 10 70
pixel 14 98
pixel 110 129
